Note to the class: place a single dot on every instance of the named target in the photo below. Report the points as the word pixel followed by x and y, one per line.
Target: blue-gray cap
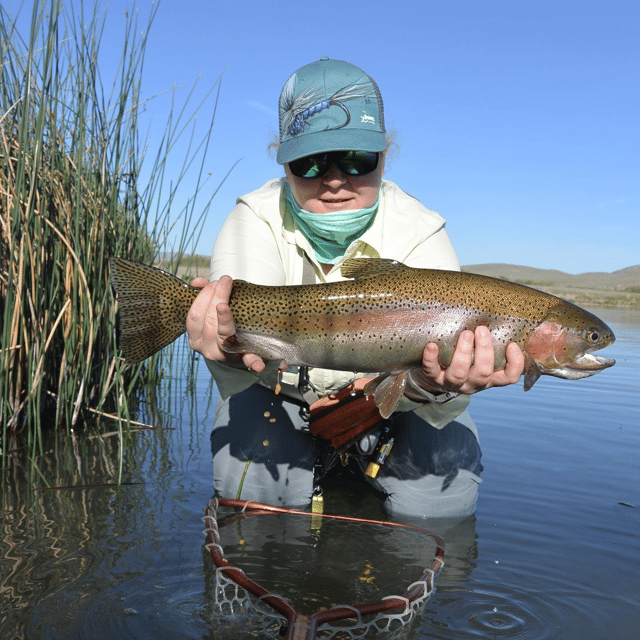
pixel 330 105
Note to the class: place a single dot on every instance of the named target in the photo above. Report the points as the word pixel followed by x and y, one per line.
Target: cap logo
pixel 295 111
pixel 367 119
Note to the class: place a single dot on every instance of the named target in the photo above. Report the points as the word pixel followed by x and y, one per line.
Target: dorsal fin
pixel 365 267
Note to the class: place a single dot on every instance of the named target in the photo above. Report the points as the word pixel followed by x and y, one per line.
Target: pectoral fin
pixel 233 344
pixel 387 390
pixel 531 372
pixel 267 347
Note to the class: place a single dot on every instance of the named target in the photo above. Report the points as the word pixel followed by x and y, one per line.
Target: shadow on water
pixel 551 553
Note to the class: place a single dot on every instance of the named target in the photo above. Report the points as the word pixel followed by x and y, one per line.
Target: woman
pixel 332 205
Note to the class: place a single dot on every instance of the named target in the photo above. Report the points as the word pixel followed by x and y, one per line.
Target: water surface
pixel 552 552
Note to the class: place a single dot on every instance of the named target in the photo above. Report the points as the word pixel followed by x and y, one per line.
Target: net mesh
pixel 244 613
pixel 241 613
pixel 245 606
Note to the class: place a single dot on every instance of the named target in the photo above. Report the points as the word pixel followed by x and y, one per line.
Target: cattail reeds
pixel 71 197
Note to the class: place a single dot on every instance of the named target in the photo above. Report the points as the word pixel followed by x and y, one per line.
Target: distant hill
pixel 624 277
pixel 619 288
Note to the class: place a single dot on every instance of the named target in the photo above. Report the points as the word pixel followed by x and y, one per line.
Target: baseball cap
pixel 329 105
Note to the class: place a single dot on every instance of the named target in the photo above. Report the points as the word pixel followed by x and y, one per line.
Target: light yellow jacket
pixel 260 243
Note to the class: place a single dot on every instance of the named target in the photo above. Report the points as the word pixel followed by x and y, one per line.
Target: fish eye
pixel 593 335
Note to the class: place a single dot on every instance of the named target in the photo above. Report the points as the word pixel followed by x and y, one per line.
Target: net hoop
pixel 304 627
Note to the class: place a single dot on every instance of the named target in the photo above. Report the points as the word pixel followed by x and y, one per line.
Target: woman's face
pixel 336 191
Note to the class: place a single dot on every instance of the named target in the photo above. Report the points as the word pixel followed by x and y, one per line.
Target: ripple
pixel 500 623
pixel 508 611
pixel 485 611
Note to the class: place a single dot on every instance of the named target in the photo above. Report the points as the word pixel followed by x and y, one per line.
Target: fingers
pixel 198 311
pixel 515 363
pixel 253 362
pixel 472 364
pixel 457 373
pixel 453 377
pixel 219 316
pixel 199 282
pixel 226 326
pixel 210 323
pixel 430 363
pixel 481 370
pixel 202 326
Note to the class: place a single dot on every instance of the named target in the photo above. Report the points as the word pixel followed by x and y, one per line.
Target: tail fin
pixel 152 307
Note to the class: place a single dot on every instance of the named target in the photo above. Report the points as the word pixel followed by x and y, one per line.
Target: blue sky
pixel 517 120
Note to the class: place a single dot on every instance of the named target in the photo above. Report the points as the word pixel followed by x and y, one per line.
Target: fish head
pixel 562 345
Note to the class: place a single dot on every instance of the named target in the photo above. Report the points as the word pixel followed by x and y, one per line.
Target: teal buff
pixel 330 234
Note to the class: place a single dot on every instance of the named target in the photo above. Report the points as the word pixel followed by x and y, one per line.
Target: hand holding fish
pixel 472 365
pixel 210 323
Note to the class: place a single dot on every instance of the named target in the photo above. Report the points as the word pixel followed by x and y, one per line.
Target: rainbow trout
pixel 377 321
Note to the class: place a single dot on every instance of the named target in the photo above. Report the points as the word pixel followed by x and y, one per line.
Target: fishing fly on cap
pixel 329 105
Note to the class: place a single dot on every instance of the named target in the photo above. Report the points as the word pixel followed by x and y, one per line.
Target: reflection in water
pixel 550 553
pixel 53 535
pixel 71 516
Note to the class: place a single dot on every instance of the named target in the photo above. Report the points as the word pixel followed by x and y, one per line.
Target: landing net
pixel 270 614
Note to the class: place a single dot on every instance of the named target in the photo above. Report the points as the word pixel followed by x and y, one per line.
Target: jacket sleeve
pixel 435 252
pixel 246 249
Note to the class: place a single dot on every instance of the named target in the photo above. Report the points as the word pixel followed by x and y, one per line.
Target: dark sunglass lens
pixel 353 163
pixel 309 166
pixel 358 163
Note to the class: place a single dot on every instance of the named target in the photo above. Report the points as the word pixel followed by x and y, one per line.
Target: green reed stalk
pixel 70 197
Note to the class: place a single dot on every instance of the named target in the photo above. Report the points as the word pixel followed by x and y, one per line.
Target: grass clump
pixel 70 198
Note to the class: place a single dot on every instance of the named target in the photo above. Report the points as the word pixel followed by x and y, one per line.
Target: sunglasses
pixel 351 163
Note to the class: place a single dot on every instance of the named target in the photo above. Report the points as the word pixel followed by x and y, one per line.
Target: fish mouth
pixel 582 367
pixel 589 362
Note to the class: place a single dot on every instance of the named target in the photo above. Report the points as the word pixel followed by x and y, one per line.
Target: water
pixel 552 552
